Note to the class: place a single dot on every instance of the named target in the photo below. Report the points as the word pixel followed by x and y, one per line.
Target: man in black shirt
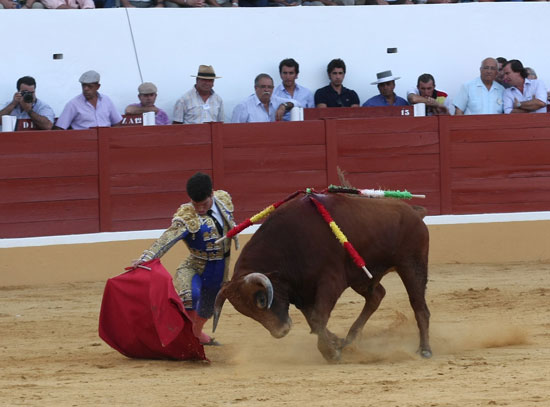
pixel 335 94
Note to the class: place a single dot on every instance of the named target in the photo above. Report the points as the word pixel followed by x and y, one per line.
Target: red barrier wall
pixel 133 178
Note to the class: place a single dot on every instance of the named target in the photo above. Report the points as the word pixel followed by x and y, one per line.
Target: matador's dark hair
pixel 199 187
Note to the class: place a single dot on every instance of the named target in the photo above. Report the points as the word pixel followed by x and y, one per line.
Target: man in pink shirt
pixel 89 109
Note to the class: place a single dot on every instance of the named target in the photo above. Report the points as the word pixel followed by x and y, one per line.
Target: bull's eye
pixel 261 299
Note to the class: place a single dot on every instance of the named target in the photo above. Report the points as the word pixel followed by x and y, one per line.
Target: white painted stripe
pixel 153 234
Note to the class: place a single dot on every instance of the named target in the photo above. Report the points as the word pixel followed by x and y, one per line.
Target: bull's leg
pixel 415 278
pixel 317 317
pixel 373 297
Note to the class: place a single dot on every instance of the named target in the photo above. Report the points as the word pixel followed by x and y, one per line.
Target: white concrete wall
pixel 447 40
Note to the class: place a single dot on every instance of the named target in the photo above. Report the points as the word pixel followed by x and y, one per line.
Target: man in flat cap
pixel 200 104
pixel 385 81
pixel 90 108
pixel 147 95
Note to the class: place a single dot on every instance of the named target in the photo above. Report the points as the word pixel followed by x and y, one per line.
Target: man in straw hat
pixel 385 81
pixel 200 104
pixel 147 95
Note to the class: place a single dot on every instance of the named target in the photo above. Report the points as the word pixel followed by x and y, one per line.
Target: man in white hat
pixel 385 81
pixel 90 108
pixel 147 95
pixel 200 104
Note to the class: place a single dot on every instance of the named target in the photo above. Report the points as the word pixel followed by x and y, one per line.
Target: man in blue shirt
pixel 387 97
pixel 289 89
pixel 335 94
pixel 25 105
pixel 262 106
pixel 482 95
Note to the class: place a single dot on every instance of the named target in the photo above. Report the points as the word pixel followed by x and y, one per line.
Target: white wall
pixel 447 40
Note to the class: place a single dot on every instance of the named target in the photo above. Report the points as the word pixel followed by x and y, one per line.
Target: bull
pixel 294 258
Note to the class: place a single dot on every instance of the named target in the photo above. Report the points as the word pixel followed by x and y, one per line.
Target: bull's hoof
pixel 334 356
pixel 425 353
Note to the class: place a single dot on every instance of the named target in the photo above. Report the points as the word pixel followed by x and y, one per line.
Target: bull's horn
pixel 218 304
pixel 263 280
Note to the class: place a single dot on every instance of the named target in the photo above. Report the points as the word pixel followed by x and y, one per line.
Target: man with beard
pixel 262 106
pixel 90 108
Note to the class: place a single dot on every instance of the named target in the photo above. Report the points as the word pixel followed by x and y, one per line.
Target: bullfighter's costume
pixel 199 277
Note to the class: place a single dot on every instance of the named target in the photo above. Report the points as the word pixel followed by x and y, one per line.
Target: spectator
pixel 289 89
pixel 223 3
pixel 25 105
pixel 90 108
pixel 142 3
pixel 10 4
pixel 524 95
pixel 262 106
pixel 437 102
pixel 184 3
pixel 385 81
pixel 335 94
pixel 531 74
pixel 500 77
pixel 482 95
pixel 67 4
pixel 147 95
pixel 200 104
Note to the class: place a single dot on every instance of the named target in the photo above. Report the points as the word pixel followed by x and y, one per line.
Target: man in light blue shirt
pixel 524 95
pixel 289 89
pixel 262 106
pixel 483 95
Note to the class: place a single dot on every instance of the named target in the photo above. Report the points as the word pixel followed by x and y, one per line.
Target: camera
pixel 27 96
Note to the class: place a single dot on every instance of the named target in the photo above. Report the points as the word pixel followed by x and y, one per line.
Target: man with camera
pixel 25 105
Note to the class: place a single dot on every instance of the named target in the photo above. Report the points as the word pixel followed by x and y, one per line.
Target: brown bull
pixel 294 258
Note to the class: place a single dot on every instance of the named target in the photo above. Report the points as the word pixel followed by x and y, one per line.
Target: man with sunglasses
pixel 25 105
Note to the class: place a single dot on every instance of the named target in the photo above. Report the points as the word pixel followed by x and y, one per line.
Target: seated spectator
pixel 200 104
pixel 335 94
pixel 482 95
pixel 289 89
pixel 524 95
pixel 90 108
pixel 262 106
pixel 223 3
pixel 25 105
pixel 531 74
pixel 184 3
pixel 500 76
pixel 67 4
pixel 385 81
pixel 141 3
pixel 437 102
pixel 147 95
pixel 10 4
